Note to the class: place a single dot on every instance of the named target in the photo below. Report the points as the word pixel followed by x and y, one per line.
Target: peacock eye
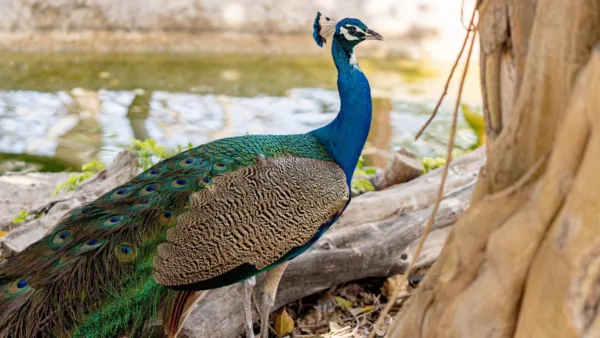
pixel 352 30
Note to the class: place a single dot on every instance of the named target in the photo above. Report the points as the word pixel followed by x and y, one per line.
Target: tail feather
pixel 180 308
pixel 97 261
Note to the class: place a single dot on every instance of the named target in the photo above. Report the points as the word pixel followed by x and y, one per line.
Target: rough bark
pixel 523 260
pixel 375 237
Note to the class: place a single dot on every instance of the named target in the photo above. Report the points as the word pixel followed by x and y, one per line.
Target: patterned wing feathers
pixel 268 210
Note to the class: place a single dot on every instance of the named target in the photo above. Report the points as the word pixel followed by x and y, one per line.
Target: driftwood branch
pixel 375 237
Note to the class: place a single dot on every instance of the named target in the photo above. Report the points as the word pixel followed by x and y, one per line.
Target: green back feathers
pixel 92 275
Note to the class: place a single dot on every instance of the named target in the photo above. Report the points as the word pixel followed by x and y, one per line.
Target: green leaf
pixel 361 162
pixel 94 166
pixel 360 186
pixel 24 216
pixel 431 163
pixel 21 217
pixel 361 170
pixel 370 171
pixel 363 185
pixel 149 153
pixel 73 182
pixel 344 304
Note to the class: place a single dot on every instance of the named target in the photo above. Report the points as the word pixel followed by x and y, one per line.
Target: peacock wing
pixel 248 220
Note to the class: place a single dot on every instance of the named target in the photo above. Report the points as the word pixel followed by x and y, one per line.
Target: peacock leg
pixel 268 294
pixel 248 287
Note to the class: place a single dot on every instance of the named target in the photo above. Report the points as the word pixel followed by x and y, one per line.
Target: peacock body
pixel 208 217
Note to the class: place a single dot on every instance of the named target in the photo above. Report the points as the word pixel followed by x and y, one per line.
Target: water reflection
pixel 138 113
pixel 56 124
pixel 380 135
pixel 81 143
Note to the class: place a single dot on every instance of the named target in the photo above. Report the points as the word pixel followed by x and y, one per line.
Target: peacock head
pixel 348 32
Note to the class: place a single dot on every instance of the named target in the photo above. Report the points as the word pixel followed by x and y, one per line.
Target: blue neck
pixel 345 137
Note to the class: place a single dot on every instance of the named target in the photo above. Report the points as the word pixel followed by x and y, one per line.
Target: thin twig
pixel 462 18
pixel 441 99
pixel 440 193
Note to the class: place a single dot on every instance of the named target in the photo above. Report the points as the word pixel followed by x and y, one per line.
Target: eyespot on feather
pixel 166 217
pixel 149 189
pixel 90 245
pixel 224 164
pixel 180 183
pixel 151 173
pixel 118 193
pixel 80 211
pixel 60 238
pixel 125 253
pixel 19 287
pixel 112 221
pixel 188 162
pixel 219 167
pixel 85 210
pixel 142 203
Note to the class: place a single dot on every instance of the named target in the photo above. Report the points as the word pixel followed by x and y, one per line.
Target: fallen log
pixel 374 238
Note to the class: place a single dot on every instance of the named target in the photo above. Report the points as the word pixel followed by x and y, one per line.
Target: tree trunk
pixel 524 260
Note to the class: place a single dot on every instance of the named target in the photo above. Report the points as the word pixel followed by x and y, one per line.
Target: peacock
pixel 221 213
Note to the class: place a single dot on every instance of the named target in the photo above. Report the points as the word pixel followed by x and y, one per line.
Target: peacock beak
pixel 373 35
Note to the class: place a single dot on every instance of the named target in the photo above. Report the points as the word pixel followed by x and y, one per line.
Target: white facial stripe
pixel 347 35
pixel 358 29
pixel 353 61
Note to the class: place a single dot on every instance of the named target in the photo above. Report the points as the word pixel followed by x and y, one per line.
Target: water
pixel 60 111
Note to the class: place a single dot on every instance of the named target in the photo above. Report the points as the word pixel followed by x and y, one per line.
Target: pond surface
pixel 60 111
